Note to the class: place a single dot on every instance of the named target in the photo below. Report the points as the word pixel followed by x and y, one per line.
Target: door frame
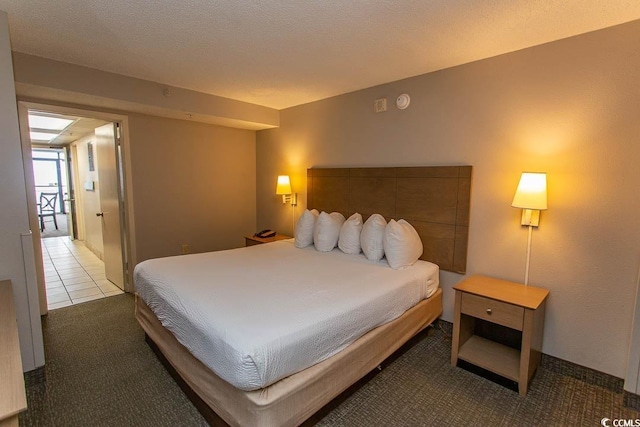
pixel 128 226
pixel 72 225
pixel 78 222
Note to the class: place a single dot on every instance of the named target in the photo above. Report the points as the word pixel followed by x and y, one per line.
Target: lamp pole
pixel 526 269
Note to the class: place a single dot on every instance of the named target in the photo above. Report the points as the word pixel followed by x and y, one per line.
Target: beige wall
pixel 193 184
pixel 570 108
pixel 89 201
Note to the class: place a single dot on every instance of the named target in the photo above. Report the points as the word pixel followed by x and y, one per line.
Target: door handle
pixel 99 213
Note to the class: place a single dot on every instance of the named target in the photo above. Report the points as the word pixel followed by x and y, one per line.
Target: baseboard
pixel 631 400
pixel 34 377
pixel 582 373
pixel 570 369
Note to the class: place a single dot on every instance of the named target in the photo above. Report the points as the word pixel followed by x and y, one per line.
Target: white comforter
pixel 258 314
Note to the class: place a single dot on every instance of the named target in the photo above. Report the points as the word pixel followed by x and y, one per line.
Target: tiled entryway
pixel 73 274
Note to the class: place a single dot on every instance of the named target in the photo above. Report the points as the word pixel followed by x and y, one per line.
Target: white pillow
pixel 371 238
pixel 304 228
pixel 327 231
pixel 349 241
pixel 402 244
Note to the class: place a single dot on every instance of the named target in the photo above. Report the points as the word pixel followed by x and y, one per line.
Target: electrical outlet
pixel 185 249
pixel 380 105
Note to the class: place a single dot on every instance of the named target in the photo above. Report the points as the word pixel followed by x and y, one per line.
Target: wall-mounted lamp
pixel 283 188
pixel 531 197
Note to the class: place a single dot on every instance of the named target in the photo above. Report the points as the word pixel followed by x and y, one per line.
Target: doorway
pixel 81 162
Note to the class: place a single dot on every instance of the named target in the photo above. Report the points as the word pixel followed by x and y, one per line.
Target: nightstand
pixel 520 308
pixel 253 240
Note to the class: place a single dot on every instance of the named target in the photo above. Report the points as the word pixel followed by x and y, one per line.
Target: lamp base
pixel 530 217
pixel 290 198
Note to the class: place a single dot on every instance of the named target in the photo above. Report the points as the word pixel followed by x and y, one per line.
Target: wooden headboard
pixel 434 199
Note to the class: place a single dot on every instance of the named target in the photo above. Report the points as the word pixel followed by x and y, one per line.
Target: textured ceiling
pixel 284 53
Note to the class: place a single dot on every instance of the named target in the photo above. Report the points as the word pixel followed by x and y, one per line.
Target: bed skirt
pixel 290 401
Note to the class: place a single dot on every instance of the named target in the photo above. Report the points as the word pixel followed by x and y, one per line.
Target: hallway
pixel 73 274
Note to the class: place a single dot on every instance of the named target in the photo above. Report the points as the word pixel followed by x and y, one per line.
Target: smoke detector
pixel 403 101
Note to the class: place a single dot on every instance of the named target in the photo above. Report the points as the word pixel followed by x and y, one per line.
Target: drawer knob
pixel 488 311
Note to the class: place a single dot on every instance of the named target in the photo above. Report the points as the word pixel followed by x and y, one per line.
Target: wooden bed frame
pixel 435 200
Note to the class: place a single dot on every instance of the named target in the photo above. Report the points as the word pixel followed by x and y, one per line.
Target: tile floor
pixel 73 274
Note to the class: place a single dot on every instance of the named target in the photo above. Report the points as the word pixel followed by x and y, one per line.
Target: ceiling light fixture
pixel 48 123
pixel 42 136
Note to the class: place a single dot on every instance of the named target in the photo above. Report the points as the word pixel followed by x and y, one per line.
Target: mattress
pixel 258 314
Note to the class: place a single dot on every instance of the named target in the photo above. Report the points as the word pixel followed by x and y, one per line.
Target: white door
pixel 110 205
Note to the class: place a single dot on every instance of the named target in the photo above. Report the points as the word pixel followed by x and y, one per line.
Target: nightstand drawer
pixel 511 316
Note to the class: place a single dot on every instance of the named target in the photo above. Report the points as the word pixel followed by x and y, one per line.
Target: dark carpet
pixel 100 372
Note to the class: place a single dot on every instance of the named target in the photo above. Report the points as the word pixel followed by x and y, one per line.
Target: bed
pixel 268 335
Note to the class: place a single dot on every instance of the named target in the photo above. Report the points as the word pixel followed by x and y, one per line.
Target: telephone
pixel 265 233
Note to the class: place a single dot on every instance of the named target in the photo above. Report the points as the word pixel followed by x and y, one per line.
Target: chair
pixel 47 208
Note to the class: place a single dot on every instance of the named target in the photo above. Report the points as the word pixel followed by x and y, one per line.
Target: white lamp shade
pixel 531 192
pixel 284 185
